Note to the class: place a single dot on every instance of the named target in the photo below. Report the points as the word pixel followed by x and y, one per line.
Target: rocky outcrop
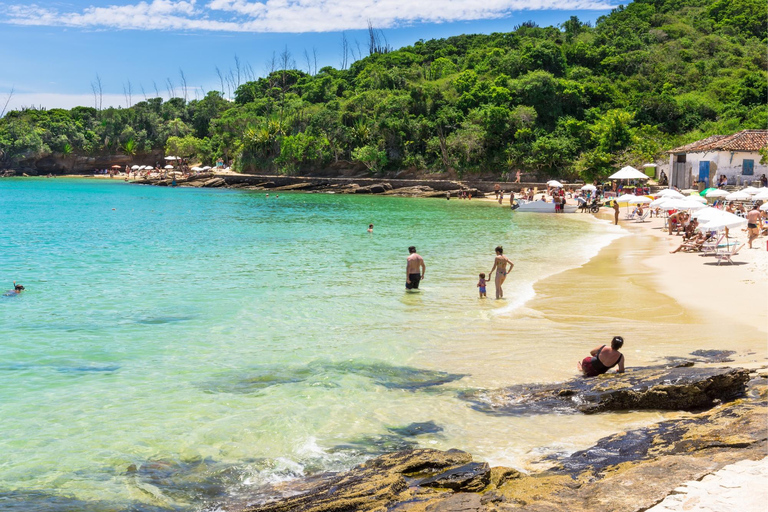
pixel 646 388
pixel 627 472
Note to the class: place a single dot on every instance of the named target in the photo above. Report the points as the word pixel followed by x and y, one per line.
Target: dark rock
pixel 472 477
pixel 649 388
pixel 417 429
pixel 461 502
pixel 214 183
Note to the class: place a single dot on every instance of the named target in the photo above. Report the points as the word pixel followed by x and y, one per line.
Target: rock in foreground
pixel 646 388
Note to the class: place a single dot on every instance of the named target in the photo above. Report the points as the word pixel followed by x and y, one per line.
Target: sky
pixel 53 51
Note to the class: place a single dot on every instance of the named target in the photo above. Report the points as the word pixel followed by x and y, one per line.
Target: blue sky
pixel 52 51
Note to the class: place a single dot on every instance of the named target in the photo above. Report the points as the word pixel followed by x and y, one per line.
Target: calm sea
pixel 179 345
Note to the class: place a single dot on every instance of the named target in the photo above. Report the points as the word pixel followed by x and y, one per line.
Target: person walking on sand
pixel 496 190
pixel 615 213
pixel 602 359
pixel 500 266
pixel 517 177
pixel 414 269
pixel 753 220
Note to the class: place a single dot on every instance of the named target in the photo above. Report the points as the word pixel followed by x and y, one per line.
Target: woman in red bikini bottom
pixel 603 359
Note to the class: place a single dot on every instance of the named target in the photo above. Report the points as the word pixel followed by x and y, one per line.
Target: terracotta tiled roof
pixel 745 140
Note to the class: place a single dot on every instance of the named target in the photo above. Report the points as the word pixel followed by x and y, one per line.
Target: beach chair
pixel 726 256
pixel 711 245
pixel 643 217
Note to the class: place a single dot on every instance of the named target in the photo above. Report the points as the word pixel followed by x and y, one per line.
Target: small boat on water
pixel 522 205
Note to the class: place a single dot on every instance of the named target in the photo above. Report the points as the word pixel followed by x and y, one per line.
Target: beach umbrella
pixel 706 191
pixel 764 207
pixel 554 183
pixel 697 198
pixel 135 167
pixel 628 173
pixel 692 204
pixel 117 166
pixel 750 190
pixel 738 196
pixel 168 167
pixel 761 196
pixel 716 192
pixel 659 203
pixel 723 220
pixel 668 192
pixel 649 165
pixel 171 158
pixel 626 198
pixel 640 200
pixel 589 187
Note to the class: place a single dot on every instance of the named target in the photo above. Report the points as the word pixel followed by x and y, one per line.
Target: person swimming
pixel 602 359
pixel 17 289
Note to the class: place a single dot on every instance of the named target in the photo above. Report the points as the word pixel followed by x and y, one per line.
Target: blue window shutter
pixel 748 167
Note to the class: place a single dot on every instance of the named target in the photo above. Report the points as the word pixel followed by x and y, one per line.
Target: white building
pixel 735 156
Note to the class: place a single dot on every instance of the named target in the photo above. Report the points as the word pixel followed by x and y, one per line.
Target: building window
pixel 748 167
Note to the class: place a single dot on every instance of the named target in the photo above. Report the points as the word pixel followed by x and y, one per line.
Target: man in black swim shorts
pixel 414 269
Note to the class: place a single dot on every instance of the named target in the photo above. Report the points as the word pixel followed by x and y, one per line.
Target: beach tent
pixel 738 196
pixel 717 192
pixel 554 183
pixel 628 173
pixel 589 187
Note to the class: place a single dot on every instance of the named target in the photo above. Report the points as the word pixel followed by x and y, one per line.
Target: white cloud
pixel 282 15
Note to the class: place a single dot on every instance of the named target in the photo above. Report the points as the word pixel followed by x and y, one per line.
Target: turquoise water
pixel 214 340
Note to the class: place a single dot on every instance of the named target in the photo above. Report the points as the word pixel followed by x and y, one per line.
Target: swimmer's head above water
pixel 17 287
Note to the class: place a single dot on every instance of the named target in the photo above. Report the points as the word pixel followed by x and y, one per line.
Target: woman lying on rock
pixel 603 359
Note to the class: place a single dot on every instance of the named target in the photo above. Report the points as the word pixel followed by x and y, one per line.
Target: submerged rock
pixel 649 388
pixel 417 429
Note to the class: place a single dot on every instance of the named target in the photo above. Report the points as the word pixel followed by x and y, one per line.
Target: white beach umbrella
pixel 706 214
pixel 649 165
pixel 628 173
pixel 722 221
pixel 764 207
pixel 738 196
pixel 168 167
pixel 697 198
pixel 135 167
pixel 171 158
pixel 692 204
pixel 669 192
pixel 589 187
pixel 554 183
pixel 196 168
pixel 659 203
pixel 207 168
pixel 640 200
pixel 750 190
pixel 717 193
pixel 626 198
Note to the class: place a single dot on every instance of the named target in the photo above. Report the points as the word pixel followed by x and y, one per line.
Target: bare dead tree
pixel 7 101
pixel 183 83
pixel 377 42
pixel 143 93
pixel 237 69
pixel 359 51
pixel 171 89
pixel 130 93
pixel 309 61
pixel 221 79
pixel 157 92
pixel 344 51
pixel 314 58
pixel 286 63
pixel 249 73
pixel 125 95
pixel 95 95
pixel 98 92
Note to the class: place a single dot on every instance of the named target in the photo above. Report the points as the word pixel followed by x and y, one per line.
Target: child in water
pixel 481 285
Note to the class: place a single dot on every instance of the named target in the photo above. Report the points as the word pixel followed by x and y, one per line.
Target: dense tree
pixel 549 100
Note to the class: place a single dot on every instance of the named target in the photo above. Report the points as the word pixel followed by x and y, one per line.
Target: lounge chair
pixel 728 255
pixel 643 217
pixel 711 245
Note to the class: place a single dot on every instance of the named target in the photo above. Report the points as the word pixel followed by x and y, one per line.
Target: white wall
pixel 728 163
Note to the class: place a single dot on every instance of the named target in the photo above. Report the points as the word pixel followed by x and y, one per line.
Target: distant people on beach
pixel 763 181
pixel 370 228
pixel 414 269
pixel 17 289
pixel 481 285
pixel 497 190
pixel 616 213
pixel 517 177
pixel 603 358
pixel 753 220
pixel 502 265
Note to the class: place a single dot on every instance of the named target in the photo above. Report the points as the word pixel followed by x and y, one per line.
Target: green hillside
pixel 553 101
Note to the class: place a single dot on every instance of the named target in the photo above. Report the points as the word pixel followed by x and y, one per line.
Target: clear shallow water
pixel 235 339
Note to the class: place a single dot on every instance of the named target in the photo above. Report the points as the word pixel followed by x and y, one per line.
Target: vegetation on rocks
pixel 574 99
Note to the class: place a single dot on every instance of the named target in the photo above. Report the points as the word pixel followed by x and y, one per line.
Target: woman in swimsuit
pixel 500 266
pixel 603 359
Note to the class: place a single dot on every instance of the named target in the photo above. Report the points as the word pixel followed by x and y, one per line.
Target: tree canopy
pixel 555 101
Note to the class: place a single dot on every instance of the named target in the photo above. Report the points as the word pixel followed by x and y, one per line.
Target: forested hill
pixel 554 101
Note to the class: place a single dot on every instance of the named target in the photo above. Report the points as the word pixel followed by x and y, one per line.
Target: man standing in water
pixel 414 269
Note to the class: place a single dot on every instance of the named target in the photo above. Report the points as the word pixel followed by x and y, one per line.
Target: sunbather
pixel 694 244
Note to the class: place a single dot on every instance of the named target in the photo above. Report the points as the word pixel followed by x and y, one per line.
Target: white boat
pixel 541 207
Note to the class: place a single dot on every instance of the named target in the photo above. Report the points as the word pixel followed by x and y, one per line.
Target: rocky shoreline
pixel 628 471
